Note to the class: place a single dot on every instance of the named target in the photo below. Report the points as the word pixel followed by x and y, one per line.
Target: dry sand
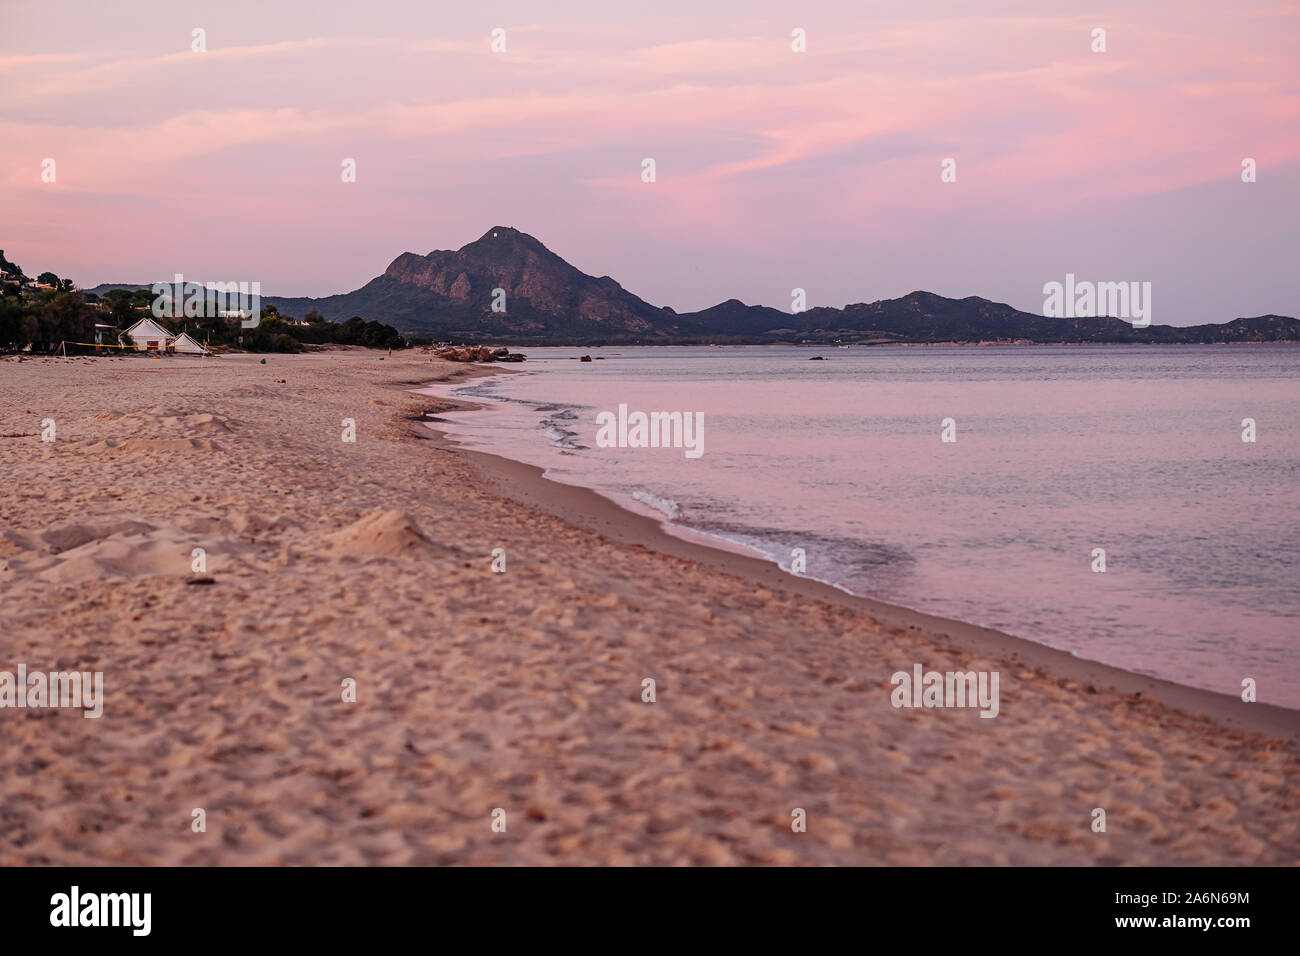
pixel 521 690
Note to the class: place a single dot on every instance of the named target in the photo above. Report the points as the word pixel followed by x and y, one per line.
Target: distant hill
pixel 449 295
pixel 110 286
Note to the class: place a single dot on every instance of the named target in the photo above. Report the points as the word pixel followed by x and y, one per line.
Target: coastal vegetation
pixel 45 313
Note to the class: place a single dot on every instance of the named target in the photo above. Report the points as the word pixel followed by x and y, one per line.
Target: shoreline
pixel 879 345
pixel 589 510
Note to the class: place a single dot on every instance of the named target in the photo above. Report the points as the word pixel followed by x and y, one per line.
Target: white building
pixel 148 336
pixel 188 346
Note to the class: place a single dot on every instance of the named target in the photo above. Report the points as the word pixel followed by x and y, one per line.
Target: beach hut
pixel 148 336
pixel 188 346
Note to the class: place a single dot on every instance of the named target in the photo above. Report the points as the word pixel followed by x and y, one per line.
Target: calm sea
pixel 1058 452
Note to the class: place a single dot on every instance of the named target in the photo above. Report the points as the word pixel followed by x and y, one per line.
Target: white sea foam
pixel 665 506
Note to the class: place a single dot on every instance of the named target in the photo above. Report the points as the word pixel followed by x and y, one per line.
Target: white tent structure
pixel 148 336
pixel 185 345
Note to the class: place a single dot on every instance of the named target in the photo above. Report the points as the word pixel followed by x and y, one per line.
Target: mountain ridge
pixel 451 294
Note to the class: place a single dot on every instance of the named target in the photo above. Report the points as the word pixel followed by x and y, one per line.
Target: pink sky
pixel 775 169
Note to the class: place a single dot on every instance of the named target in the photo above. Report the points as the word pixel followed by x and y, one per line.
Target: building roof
pixel 157 330
pixel 185 340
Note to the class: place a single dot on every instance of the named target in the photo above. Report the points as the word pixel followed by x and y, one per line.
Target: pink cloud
pixel 753 141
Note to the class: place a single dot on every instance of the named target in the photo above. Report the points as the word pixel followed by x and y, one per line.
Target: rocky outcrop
pixel 478 353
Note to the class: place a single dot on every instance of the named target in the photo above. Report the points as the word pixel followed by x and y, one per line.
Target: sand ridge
pixel 522 690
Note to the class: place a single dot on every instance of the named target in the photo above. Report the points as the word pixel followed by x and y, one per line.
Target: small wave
pixel 554 426
pixel 665 506
pixel 562 438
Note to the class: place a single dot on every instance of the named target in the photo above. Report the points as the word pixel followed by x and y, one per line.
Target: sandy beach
pixel 371 560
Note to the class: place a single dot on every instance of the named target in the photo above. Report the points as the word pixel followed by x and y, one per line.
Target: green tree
pixel 64 317
pixel 351 331
pixel 11 269
pixel 13 311
pixel 121 307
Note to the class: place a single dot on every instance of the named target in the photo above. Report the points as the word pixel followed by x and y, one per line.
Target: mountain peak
pixel 506 236
pixel 507 281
